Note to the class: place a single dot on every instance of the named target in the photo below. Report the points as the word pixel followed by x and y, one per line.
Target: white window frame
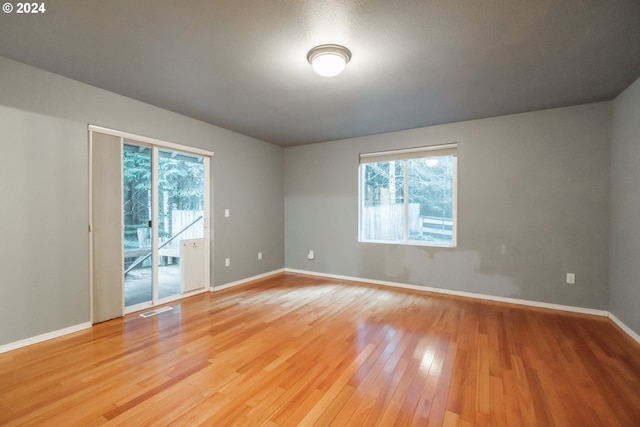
pixel 402 155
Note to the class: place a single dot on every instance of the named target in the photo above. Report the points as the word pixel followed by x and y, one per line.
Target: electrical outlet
pixel 571 278
pixel 310 255
pixel 226 213
pixel 227 262
pixel 259 255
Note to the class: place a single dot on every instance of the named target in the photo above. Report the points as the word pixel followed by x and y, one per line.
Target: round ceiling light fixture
pixel 329 60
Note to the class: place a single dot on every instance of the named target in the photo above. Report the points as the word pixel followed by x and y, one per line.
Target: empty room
pixel 320 213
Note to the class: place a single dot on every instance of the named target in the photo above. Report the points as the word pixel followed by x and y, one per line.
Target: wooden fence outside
pixel 385 222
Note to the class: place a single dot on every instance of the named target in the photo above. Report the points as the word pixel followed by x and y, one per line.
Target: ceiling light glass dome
pixel 329 60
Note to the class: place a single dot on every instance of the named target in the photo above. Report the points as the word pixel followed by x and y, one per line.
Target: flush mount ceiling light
pixel 328 60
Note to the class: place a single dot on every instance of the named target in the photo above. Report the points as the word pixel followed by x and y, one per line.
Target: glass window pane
pixel 431 199
pixel 382 211
pixel 180 213
pixel 138 284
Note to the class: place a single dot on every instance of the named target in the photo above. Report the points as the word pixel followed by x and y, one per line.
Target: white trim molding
pixel 603 313
pixel 44 337
pixel 247 280
pixel 465 294
pixel 624 327
pixel 635 336
pixel 152 141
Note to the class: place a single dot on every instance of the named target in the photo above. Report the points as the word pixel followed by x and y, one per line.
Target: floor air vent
pixel 158 311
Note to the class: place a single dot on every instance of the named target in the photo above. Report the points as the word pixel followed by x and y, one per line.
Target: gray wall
pixel 533 202
pixel 44 256
pixel 532 205
pixel 625 208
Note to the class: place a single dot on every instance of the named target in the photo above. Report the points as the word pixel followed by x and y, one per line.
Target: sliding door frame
pixel 155 146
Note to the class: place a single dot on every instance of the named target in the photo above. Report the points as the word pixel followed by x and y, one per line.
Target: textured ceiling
pixel 242 65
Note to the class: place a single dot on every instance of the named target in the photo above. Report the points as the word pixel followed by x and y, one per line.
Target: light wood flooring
pixel 298 350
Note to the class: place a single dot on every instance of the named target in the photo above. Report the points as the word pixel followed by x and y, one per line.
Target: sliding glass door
pixel 137 213
pixel 180 216
pixel 149 222
pixel 164 220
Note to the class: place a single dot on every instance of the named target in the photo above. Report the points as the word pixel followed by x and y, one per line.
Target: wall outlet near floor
pixel 259 255
pixel 571 278
pixel 310 255
pixel 227 262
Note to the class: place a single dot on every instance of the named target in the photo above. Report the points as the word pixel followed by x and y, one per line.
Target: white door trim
pixel 152 141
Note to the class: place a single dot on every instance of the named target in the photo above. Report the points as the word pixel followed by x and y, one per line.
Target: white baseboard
pixel 247 280
pixel 624 327
pixel 55 334
pixel 559 307
pixel 44 337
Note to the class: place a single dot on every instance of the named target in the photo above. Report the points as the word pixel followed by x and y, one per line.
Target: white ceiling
pixel 242 65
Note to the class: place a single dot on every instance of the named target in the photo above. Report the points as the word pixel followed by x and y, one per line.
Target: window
pixel 409 196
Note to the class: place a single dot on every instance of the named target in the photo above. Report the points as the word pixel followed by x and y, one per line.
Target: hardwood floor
pixel 298 350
